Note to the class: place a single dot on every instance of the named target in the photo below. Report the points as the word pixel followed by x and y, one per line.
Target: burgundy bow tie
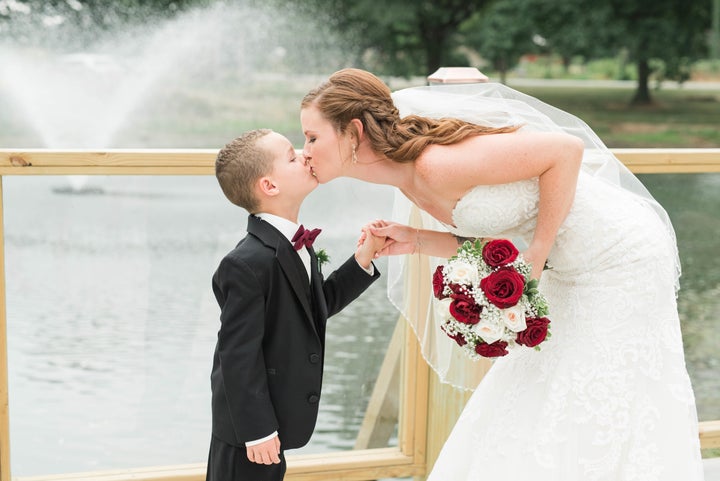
pixel 304 237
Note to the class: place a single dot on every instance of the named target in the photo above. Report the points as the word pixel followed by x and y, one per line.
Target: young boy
pixel 274 302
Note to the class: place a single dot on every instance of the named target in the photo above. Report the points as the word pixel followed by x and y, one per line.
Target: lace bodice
pixel 593 236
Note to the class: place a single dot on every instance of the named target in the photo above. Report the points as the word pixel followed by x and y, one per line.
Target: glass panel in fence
pixel 112 321
pixel 692 202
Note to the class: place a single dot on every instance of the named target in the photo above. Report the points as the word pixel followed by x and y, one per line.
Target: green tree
pixel 501 34
pixel 400 37
pixel 665 35
pixel 437 24
pixel 508 29
pixel 571 28
pixel 670 31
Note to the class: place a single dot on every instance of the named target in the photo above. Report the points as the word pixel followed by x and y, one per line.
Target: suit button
pixel 314 358
pixel 313 398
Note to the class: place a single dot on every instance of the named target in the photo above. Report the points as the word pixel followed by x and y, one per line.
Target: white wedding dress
pixel 608 397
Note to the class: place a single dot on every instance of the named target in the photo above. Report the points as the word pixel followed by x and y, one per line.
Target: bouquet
pixel 487 302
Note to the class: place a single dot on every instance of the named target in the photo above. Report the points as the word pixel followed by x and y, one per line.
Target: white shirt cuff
pixel 260 441
pixel 370 270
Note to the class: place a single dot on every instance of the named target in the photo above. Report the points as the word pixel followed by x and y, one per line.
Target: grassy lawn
pixel 211 114
pixel 679 118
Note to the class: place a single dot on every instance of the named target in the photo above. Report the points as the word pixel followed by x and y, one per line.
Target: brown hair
pixel 357 94
pixel 239 165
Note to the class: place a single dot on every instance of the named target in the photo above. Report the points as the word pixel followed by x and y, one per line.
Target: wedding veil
pixel 492 104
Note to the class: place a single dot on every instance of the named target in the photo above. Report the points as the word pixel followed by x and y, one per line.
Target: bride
pixel 608 398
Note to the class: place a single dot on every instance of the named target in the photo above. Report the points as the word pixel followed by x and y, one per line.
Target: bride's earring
pixel 354 155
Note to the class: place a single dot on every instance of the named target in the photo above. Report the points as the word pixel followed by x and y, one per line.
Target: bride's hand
pixel 537 259
pixel 400 238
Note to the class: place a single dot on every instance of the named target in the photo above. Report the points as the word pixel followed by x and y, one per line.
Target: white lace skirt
pixel 607 398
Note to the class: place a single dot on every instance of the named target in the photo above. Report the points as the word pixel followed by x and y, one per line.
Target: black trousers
pixel 230 463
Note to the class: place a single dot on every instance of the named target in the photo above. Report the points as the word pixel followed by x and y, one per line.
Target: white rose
pixel 514 318
pixel 489 331
pixel 460 272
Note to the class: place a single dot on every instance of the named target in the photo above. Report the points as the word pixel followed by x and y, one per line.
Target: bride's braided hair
pixel 356 94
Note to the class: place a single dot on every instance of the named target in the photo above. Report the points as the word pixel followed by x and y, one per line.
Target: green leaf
pixel 322 257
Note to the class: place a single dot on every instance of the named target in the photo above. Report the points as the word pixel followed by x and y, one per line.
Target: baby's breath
pixel 493 319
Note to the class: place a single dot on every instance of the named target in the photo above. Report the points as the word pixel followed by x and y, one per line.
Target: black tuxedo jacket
pixel 268 362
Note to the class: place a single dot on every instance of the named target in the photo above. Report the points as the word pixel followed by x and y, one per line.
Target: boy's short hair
pixel 239 165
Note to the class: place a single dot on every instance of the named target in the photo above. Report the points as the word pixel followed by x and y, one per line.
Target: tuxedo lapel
pixel 288 259
pixel 295 272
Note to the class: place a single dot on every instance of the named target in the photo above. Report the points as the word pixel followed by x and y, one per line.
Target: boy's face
pixel 290 174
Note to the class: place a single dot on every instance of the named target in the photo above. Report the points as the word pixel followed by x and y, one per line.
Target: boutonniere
pixel 322 257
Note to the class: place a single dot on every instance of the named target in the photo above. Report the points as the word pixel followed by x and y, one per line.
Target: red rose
pixel 465 309
pixel 496 349
pixel 499 252
pixel 460 339
pixel 439 283
pixel 503 287
pixel 535 333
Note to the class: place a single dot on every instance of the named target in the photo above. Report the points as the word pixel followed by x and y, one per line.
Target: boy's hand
pixel 369 245
pixel 399 238
pixel 265 453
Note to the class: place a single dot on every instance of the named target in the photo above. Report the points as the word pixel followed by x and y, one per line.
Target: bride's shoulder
pixel 440 167
pixel 442 159
pixel 429 165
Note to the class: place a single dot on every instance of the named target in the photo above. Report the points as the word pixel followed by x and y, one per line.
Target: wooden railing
pixel 200 161
pixel 422 428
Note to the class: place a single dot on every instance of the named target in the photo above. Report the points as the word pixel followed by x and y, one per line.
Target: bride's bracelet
pixel 418 243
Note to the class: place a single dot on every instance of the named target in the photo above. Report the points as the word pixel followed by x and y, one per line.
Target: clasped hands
pixel 398 238
pixel 403 239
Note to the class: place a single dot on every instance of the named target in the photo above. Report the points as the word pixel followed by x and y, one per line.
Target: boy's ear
pixel 267 186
